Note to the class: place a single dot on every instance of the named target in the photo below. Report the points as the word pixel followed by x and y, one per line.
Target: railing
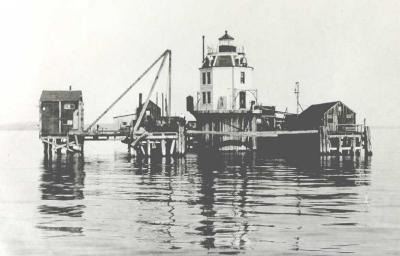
pixel 345 129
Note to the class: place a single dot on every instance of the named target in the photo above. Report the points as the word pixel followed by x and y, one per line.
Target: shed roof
pixel 61 96
pixel 317 110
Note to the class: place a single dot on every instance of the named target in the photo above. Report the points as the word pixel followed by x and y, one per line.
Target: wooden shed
pixel 61 112
pixel 334 115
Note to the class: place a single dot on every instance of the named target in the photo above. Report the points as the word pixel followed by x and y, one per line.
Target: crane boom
pixel 128 89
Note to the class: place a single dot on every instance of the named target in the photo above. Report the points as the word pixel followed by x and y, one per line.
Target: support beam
pixel 138 121
pixel 171 151
pixel 59 117
pixel 148 148
pixel 163 148
pixel 128 89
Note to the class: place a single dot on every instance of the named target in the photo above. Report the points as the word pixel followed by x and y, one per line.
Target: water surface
pixel 105 203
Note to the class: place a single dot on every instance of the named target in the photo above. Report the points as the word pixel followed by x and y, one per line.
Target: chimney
pixel 140 100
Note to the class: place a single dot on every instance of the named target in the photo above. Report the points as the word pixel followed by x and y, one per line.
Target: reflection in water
pixel 223 202
pixel 250 184
pixel 62 180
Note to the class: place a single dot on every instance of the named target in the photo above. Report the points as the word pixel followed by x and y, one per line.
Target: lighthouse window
pixel 204 98
pixel 208 97
pixel 204 78
pixel 242 99
pixel 242 78
pixel 208 77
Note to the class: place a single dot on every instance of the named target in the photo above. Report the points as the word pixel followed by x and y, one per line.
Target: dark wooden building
pixel 334 115
pixel 61 112
pixel 152 110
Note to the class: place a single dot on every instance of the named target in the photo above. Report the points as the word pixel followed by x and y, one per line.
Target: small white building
pixel 124 121
pixel 225 79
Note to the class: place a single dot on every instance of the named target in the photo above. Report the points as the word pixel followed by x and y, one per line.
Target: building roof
pixel 61 96
pixel 316 110
pixel 226 36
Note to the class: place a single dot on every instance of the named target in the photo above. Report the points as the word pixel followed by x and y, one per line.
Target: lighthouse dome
pixel 225 43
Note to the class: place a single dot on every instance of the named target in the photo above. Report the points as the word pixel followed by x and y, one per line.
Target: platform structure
pixel 61 120
pixel 345 140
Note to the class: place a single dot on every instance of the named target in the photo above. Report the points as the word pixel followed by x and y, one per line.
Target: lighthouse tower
pixel 225 79
pixel 224 104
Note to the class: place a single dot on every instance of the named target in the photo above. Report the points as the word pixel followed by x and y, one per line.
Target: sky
pixel 337 50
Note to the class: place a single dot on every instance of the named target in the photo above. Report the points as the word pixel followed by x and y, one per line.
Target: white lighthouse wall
pixel 223 79
pixel 247 85
pixel 222 85
pixel 226 78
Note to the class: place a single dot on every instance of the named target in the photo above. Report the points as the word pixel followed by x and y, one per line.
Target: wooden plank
pixel 341 135
pixel 252 133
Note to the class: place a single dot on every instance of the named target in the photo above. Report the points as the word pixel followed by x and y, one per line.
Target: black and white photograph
pixel 182 127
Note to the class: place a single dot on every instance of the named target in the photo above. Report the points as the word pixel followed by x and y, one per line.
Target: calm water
pixel 108 204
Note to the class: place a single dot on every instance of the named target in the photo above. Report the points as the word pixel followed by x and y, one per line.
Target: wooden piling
pixel 172 149
pixel 367 141
pixel 353 146
pixel 58 142
pixel 148 148
pixel 181 145
pixel 163 148
pixel 321 141
pixel 49 149
pixel 254 128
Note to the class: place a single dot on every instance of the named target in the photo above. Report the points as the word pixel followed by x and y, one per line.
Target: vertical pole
pixel 45 147
pixel 162 104
pixel 297 92
pixel 143 110
pixel 169 83
pixel 172 147
pixel 59 117
pixel 163 151
pixel 254 129
pixel 340 145
pixel 50 149
pixel 82 143
pixel 148 148
pixel 67 144
pixel 233 91
pixel 327 142
pixel 58 141
pixel 353 146
pixel 181 138
pixel 321 140
pixel 203 50
pixel 326 147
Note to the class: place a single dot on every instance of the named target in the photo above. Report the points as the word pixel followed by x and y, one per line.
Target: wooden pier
pixel 345 140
